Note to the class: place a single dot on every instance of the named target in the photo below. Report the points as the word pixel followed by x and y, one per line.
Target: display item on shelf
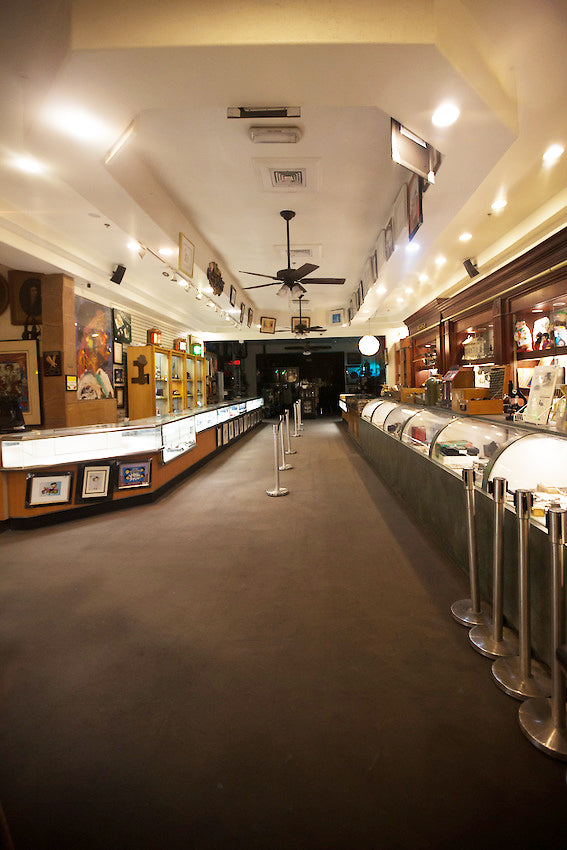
pixel 523 337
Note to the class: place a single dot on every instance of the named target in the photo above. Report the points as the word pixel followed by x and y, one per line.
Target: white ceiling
pixel 174 70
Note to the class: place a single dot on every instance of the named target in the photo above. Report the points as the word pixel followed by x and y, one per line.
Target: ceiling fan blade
pixel 257 274
pixel 327 281
pixel 260 285
pixel 318 328
pixel 306 268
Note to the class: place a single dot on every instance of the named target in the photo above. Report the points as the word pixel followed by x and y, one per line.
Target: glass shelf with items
pixel 470 443
pixel 420 430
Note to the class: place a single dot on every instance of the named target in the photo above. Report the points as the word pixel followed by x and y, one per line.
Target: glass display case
pixel 420 430
pixel 178 384
pixel 178 436
pixel 369 408
pixel 381 411
pixel 467 442
pixel 397 418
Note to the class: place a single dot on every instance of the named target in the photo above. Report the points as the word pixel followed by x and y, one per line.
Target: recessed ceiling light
pixel 465 237
pixel 166 252
pixel 445 115
pixel 29 165
pixel 381 289
pixel 440 261
pixel 499 204
pixel 552 154
pixel 409 290
pixel 423 278
pixel 134 246
pixel 400 300
pixel 80 124
pixel 412 247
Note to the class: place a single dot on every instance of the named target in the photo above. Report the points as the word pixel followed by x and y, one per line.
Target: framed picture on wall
pixel 186 255
pixel 232 297
pixel 25 298
pixel 118 376
pixel 134 474
pixel 19 376
pixel 52 489
pixel 389 239
pixel 94 482
pixel 118 352
pixel 250 316
pixel 267 325
pixel 242 311
pixel 415 209
pixel 121 327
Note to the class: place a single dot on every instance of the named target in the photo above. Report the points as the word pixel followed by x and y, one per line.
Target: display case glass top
pixel 469 442
pixel 369 408
pixel 420 430
pixel 397 418
pixel 382 411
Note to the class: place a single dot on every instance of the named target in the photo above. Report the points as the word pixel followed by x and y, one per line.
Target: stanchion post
pixel 543 720
pixel 283 464
pixel 277 490
pixel 468 612
pixel 295 420
pixel 494 640
pixel 519 676
pixel 289 450
pixel 300 414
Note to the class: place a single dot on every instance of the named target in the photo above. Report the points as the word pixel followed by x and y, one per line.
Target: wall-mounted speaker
pixel 471 267
pixel 118 274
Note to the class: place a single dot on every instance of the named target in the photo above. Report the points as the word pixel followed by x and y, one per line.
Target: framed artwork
pixel 349 315
pixel 389 239
pixel 242 311
pixel 186 255
pixel 4 294
pixel 19 376
pixel 231 430
pixel 94 347
pixel 224 433
pixel 232 297
pixel 51 364
pixel 118 352
pixel 415 209
pixel 119 375
pixel 336 317
pixel 357 299
pixel 121 328
pixel 71 383
pixel 250 316
pixel 94 482
pixel 361 292
pixel 296 322
pixel 53 489
pixel 119 397
pixel 134 474
pixel 25 297
pixel 267 325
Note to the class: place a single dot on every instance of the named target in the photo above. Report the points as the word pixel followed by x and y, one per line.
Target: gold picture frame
pixel 267 325
pixel 186 258
pixel 19 376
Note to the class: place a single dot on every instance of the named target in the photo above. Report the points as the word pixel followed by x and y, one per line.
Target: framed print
pixel 186 255
pixel 336 317
pixel 25 297
pixel 118 352
pixel 224 433
pixel 415 209
pixel 389 239
pixel 94 482
pixel 232 297
pixel 118 375
pixel 357 299
pixel 250 317
pixel 267 325
pixel 53 489
pixel 119 397
pixel 349 315
pixel 231 430
pixel 4 294
pixel 361 292
pixel 121 327
pixel 94 347
pixel 242 311
pixel 71 383
pixel 296 322
pixel 19 376
pixel 51 364
pixel 134 474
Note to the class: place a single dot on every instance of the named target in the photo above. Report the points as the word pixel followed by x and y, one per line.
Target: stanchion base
pixel 536 722
pixel 290 452
pixel 464 614
pixel 281 491
pixel 296 435
pixel 508 676
pixel 285 466
pixel 482 639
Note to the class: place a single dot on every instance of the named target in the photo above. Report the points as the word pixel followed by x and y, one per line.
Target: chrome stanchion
pixel 299 414
pixel 277 490
pixel 289 450
pixel 543 720
pixel 295 420
pixel 520 676
pixel 283 465
pixel 468 612
pixel 494 639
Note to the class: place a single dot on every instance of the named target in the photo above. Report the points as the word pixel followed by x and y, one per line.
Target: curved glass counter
pixel 382 411
pixel 369 408
pixel 397 418
pixel 467 442
pixel 420 430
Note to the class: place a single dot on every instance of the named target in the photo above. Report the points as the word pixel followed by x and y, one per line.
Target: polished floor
pixel 223 670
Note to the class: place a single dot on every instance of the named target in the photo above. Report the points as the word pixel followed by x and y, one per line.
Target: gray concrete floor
pixel 224 670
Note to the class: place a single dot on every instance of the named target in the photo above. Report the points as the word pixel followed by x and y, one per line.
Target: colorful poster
pixel 93 326
pixel 14 377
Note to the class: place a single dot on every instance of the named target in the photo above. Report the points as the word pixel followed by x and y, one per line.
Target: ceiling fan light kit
pixel 368 345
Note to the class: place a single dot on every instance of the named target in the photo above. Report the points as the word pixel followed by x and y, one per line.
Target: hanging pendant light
pixel 368 345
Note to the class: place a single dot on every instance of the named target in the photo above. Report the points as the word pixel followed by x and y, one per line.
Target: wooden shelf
pixel 554 351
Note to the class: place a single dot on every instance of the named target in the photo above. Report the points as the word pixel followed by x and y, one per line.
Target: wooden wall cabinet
pixel 161 381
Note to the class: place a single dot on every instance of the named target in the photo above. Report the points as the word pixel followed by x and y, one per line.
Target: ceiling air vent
pixel 289 174
pixel 288 178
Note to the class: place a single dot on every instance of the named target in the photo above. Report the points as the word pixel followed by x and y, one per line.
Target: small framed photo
pixel 186 255
pixel 121 327
pixel 51 364
pixel 231 430
pixel 250 317
pixel 361 292
pixel 389 239
pixel 357 299
pixel 242 311
pixel 267 325
pixel 349 315
pixel 119 393
pixel 415 209
pixel 336 317
pixel 53 489
pixel 232 297
pixel 134 474
pixel 119 376
pixel 71 383
pixel 118 352
pixel 303 323
pixel 94 483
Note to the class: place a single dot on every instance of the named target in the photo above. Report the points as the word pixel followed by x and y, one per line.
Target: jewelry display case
pixel 397 418
pixel 420 430
pixel 468 442
pixel 369 408
pixel 381 411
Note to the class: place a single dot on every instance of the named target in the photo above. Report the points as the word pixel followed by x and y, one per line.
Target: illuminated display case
pixel 369 408
pixel 397 418
pixel 381 411
pixel 467 442
pixel 419 431
pixel 178 436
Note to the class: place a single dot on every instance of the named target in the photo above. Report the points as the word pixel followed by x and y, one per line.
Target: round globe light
pixel 368 345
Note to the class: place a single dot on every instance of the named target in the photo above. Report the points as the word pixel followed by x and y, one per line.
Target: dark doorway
pixel 317 378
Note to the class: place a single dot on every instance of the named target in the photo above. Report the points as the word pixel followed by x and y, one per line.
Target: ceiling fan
pixel 303 326
pixel 306 349
pixel 290 278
